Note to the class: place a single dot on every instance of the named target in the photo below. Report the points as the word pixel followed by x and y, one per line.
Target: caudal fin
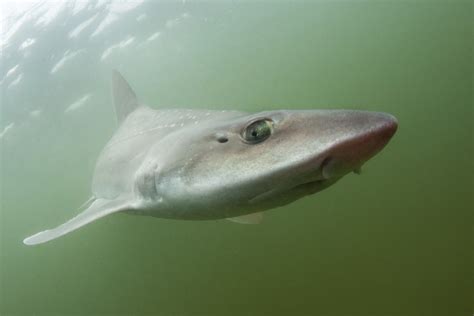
pixel 97 209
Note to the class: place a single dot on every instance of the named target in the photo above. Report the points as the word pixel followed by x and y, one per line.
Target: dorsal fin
pixel 125 100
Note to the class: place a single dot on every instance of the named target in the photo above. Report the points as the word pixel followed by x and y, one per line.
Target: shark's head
pixel 264 160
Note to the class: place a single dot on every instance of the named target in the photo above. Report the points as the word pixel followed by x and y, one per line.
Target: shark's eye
pixel 257 131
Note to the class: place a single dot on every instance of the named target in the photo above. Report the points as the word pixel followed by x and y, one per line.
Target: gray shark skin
pixel 209 165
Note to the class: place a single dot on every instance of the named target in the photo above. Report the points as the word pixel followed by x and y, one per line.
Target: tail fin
pixel 97 209
pixel 125 100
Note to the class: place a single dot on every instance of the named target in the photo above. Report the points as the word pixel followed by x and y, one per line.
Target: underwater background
pixel 396 240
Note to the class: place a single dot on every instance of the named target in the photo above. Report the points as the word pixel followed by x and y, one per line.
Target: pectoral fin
pixel 97 209
pixel 254 218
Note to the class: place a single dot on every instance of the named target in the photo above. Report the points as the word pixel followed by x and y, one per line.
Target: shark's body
pixel 201 165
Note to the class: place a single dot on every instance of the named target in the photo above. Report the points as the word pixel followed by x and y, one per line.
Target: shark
pixel 194 164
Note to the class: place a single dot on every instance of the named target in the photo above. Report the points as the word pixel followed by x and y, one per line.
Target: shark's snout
pixel 364 135
pixel 386 128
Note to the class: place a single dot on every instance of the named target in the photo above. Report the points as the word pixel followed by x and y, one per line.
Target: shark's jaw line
pixel 311 183
pixel 207 164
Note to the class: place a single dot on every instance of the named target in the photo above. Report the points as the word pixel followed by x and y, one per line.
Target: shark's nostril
pixel 324 164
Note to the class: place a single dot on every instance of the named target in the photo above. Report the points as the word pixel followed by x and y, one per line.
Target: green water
pixel 396 240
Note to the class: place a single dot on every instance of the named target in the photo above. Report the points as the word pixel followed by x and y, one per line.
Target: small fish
pixel 209 165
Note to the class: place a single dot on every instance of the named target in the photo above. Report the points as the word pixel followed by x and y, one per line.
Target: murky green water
pixel 396 240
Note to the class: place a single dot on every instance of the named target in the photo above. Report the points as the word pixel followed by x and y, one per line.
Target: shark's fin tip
pixel 254 218
pixel 124 98
pixel 97 209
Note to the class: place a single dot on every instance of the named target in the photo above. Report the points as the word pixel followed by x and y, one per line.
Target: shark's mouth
pixel 280 197
pixel 331 168
pixel 306 183
pixel 311 182
pixel 324 177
